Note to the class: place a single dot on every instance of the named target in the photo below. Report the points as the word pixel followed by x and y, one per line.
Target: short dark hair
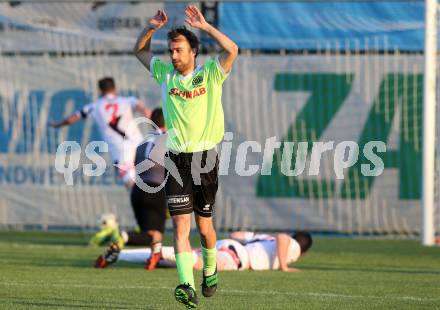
pixel 304 240
pixel 157 117
pixel 106 84
pixel 188 34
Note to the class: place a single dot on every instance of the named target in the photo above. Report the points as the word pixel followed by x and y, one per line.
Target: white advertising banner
pixel 317 142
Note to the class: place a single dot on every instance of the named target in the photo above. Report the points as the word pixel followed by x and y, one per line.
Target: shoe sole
pixel 182 297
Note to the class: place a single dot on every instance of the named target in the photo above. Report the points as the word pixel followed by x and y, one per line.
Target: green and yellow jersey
pixel 192 105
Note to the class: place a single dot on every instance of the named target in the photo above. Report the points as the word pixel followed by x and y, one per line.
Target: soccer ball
pixel 107 220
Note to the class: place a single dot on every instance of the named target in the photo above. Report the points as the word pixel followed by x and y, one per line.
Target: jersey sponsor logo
pixel 187 94
pixel 182 199
pixel 197 80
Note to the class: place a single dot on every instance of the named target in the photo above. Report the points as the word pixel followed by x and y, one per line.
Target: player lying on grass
pixel 267 252
pixel 246 251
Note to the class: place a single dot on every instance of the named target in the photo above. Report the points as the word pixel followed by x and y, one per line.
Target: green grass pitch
pixel 53 271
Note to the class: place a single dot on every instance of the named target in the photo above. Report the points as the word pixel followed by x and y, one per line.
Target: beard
pixel 181 67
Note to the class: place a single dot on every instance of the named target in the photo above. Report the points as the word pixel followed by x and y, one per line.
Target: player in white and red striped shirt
pixel 113 115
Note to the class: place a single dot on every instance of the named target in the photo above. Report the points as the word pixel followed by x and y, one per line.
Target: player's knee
pixel 206 231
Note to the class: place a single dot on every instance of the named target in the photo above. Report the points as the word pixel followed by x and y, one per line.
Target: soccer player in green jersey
pixel 193 112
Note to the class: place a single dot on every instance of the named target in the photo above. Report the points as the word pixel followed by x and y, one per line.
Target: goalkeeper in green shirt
pixel 191 95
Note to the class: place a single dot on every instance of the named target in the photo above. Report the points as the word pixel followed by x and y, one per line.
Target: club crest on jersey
pixel 197 80
pixel 188 94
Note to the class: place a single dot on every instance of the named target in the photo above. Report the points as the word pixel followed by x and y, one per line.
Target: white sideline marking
pixel 222 290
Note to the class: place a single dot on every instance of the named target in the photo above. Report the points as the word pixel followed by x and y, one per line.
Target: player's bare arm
pixel 72 119
pixel 230 50
pixel 283 241
pixel 142 48
pixel 142 109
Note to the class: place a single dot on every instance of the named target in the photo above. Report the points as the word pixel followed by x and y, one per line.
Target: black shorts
pixel 149 209
pixel 199 186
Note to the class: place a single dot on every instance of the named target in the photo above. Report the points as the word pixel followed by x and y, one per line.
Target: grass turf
pixel 53 271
